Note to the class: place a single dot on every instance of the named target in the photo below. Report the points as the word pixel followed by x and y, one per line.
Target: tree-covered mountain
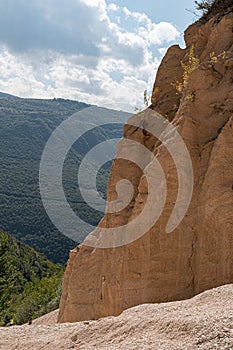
pixel 4 95
pixel 30 285
pixel 25 127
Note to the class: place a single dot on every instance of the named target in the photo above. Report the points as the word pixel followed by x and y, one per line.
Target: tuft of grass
pixel 188 68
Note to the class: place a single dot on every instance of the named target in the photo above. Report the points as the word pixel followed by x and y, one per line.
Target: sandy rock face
pixel 198 254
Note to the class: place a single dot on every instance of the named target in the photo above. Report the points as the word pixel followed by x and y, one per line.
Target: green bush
pixel 30 285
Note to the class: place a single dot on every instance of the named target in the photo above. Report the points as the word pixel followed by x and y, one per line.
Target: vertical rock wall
pixel 198 254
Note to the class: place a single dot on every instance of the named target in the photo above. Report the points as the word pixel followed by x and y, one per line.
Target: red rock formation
pixel 198 254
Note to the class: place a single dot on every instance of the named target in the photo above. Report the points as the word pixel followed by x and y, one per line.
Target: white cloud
pixel 112 7
pixel 156 34
pixel 162 50
pixel 140 17
pixel 105 55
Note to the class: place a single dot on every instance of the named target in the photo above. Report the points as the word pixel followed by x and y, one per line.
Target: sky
pixel 102 52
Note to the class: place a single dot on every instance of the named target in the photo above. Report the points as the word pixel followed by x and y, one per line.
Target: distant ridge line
pixel 5 95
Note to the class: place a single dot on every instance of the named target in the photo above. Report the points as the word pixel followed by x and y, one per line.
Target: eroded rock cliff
pixel 198 254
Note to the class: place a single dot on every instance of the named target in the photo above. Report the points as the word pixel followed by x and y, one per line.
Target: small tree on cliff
pixel 204 6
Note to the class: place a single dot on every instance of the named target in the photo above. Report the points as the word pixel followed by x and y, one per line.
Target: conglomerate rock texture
pixel 198 254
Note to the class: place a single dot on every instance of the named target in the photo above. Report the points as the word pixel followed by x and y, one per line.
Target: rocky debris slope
pixel 198 254
pixel 47 319
pixel 202 323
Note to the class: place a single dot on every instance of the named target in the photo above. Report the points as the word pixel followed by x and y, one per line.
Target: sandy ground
pixel 50 318
pixel 203 322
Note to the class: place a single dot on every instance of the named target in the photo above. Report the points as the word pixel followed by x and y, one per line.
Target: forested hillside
pixel 4 95
pixel 30 285
pixel 25 126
